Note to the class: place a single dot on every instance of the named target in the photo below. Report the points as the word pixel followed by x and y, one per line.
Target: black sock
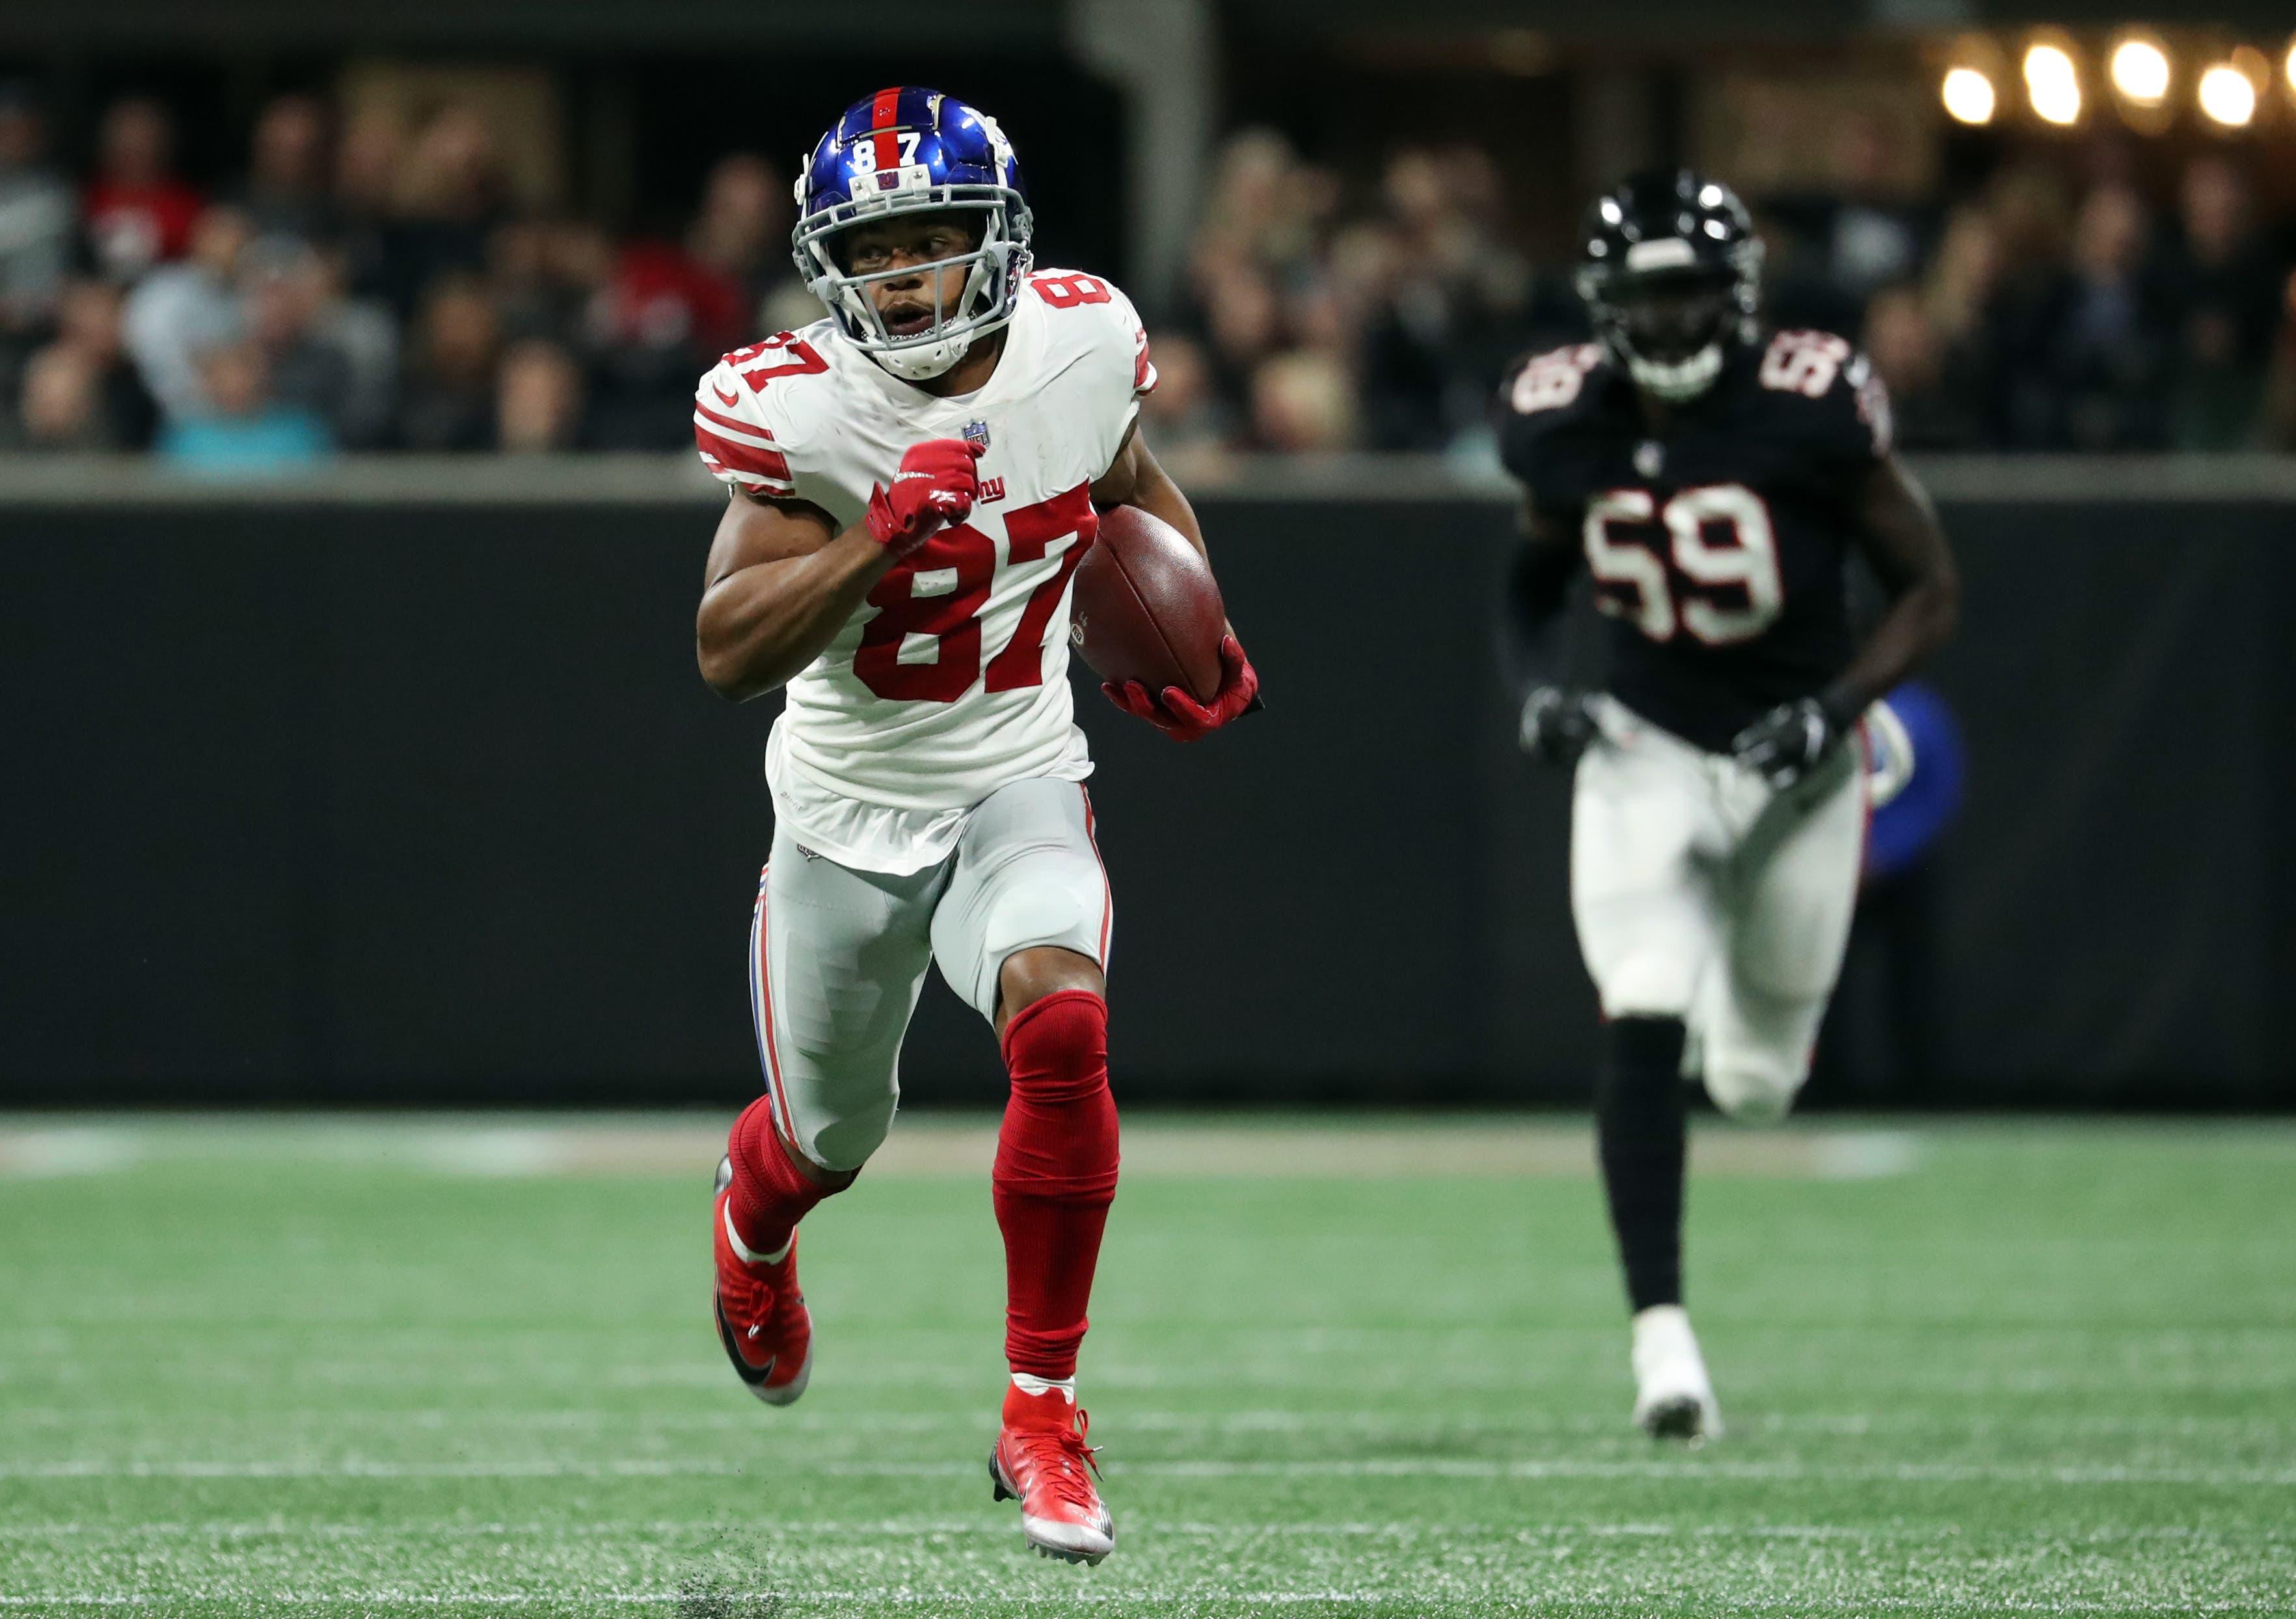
pixel 1638 1129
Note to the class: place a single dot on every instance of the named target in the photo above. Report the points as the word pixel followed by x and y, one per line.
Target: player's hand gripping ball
pixel 1182 717
pixel 1556 725
pixel 936 485
pixel 1783 744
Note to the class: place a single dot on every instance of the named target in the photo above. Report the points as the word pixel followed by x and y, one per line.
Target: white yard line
pixel 1688 1470
pixel 939 1147
pixel 781 1529
pixel 971 1600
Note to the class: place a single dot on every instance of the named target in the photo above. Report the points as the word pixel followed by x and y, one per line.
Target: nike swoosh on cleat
pixel 741 1368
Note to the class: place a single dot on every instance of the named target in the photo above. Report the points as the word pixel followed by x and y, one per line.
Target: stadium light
pixel 2227 96
pixel 2140 71
pixel 2053 85
pixel 1968 95
pixel 2288 68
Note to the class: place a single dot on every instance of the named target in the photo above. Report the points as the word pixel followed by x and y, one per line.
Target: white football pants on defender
pixel 838 955
pixel 1702 894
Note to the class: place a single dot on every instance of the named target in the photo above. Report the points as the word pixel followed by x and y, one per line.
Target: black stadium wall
pixel 333 801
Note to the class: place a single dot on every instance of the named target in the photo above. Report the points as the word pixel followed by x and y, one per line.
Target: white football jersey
pixel 952 679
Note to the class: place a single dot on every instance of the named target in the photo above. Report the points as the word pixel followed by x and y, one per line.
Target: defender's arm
pixel 1898 535
pixel 780 585
pixel 1553 723
pixel 1531 606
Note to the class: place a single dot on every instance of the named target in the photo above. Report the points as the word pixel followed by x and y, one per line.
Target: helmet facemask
pixel 1671 325
pixel 993 270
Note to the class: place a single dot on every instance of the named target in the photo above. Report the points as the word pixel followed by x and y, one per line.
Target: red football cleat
pixel 762 1319
pixel 1042 1460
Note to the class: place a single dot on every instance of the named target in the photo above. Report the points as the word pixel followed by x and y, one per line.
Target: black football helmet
pixel 1671 274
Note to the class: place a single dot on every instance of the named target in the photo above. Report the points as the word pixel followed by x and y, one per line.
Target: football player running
pixel 1712 476
pixel 914 482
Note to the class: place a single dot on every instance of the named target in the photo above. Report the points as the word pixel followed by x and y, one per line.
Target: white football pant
pixel 1701 894
pixel 837 956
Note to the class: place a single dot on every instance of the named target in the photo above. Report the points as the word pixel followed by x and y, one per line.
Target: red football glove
pixel 936 485
pixel 1180 715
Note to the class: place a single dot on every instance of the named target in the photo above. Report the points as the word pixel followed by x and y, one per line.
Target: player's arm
pixel 1136 478
pixel 1896 529
pixel 1553 723
pixel 1898 535
pixel 779 583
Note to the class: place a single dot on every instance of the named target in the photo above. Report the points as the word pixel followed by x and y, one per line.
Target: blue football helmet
pixel 904 150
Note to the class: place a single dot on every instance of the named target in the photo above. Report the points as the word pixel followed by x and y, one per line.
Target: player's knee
pixel 1754 1087
pixel 1056 1046
pixel 1648 985
pixel 840 1147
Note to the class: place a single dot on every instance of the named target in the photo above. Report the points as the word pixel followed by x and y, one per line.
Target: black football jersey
pixel 1718 547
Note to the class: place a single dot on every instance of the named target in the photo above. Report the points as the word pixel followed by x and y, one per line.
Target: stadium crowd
pixel 366 287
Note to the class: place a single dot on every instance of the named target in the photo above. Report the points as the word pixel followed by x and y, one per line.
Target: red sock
pixel 1055 1175
pixel 769 1195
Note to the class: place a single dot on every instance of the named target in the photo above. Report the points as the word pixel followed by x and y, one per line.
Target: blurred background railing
pixel 395 782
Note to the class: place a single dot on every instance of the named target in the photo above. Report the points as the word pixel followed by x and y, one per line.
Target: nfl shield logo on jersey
pixel 977 433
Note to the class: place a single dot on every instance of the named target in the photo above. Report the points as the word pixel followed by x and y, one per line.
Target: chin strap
pixel 925 361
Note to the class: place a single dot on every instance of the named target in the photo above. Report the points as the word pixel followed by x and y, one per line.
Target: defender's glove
pixel 1180 715
pixel 1556 725
pixel 1783 744
pixel 936 485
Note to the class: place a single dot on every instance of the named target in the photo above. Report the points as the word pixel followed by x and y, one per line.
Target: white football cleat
pixel 1674 1398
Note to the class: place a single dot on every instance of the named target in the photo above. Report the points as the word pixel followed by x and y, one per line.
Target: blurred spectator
pixel 2224 280
pixel 448 404
pixel 366 160
pixel 742 233
pixel 87 327
pixel 1302 402
pixel 1909 355
pixel 537 399
pixel 448 194
pixel 182 309
pixel 138 213
pixel 61 404
pixel 1871 240
pixel 36 217
pixel 1182 415
pixel 240 427
pixel 2083 351
pixel 285 291
pixel 364 331
pixel 286 192
pixel 663 316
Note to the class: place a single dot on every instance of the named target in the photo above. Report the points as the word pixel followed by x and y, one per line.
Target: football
pixel 1147 609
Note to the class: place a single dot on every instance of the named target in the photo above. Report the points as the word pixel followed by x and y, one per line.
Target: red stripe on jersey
pixel 734 422
pixel 745 459
pixel 883 113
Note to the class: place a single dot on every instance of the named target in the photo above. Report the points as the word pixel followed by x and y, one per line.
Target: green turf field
pixel 264 1366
